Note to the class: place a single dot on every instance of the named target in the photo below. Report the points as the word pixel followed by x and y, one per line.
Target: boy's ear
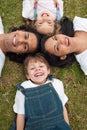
pixel 27 76
pixel 48 70
pixel 63 57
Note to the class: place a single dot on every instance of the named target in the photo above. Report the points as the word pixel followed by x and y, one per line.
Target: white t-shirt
pixel 1 26
pixel 28 8
pixel 2 61
pixel 2 55
pixel 19 98
pixel 80 24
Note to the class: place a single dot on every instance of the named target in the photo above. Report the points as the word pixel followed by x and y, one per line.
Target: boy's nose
pixel 37 68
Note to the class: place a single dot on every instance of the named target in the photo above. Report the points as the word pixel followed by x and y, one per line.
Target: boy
pixel 40 101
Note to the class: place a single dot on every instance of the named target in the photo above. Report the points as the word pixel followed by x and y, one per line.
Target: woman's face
pixel 20 42
pixel 58 45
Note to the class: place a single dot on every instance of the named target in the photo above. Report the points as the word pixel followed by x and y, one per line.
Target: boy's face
pixel 45 22
pixel 37 71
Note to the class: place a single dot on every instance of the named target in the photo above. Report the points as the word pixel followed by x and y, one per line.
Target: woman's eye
pixel 56 48
pixel 55 38
pixel 25 46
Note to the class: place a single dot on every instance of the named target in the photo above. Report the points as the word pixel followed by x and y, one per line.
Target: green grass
pixel 73 78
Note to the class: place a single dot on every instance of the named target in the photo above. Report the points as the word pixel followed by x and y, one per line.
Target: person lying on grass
pixel 21 41
pixel 40 100
pixel 70 45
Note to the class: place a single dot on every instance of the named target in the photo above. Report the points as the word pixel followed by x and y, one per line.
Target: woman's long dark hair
pixel 66 29
pixel 21 57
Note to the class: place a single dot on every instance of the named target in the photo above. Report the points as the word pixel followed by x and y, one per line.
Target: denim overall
pixel 43 109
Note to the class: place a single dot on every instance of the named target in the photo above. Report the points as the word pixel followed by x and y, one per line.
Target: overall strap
pixel 20 88
pixel 35 8
pixel 58 9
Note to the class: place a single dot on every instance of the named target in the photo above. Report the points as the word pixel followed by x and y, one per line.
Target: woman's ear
pixel 63 57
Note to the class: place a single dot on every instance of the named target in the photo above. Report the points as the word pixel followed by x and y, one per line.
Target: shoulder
pixel 26 84
pixel 57 82
pixel 80 23
pixel 79 19
pixel 82 60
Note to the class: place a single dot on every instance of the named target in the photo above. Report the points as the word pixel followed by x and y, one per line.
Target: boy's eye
pixel 32 68
pixel 40 23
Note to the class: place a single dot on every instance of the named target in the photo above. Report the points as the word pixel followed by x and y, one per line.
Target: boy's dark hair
pixel 20 57
pixel 67 29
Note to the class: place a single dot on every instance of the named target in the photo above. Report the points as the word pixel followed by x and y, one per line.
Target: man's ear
pixel 63 57
pixel 27 76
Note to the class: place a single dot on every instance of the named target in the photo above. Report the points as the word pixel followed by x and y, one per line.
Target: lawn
pixel 73 78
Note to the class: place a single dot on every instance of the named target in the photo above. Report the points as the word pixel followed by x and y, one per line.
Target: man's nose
pixel 21 40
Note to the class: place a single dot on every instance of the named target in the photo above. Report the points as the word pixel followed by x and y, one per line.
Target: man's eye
pixel 57 48
pixel 26 36
pixel 41 66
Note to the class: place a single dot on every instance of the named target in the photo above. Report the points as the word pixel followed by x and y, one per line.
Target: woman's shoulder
pixel 80 23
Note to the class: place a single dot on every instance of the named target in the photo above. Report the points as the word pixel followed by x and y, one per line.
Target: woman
pixel 22 40
pixel 65 48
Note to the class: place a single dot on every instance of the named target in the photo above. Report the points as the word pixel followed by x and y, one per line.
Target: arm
pixel 27 9
pixel 20 122
pixel 66 115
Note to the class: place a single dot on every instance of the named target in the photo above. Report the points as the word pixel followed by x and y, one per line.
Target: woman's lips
pixel 67 41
